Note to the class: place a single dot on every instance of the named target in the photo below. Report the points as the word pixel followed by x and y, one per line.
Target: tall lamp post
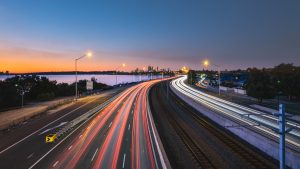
pixel 206 64
pixel 88 54
pixel 22 90
pixel 123 65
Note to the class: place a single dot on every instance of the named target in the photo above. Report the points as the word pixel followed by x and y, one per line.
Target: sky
pixel 47 35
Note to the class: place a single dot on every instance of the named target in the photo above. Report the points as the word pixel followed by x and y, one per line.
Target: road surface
pixel 191 140
pixel 120 136
pixel 262 122
pixel 24 145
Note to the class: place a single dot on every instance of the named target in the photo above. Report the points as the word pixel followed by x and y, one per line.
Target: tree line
pixel 38 88
pixel 265 83
pixel 282 80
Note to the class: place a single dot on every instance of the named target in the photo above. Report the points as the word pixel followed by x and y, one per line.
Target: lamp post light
pixel 206 64
pixel 123 65
pixel 22 90
pixel 89 55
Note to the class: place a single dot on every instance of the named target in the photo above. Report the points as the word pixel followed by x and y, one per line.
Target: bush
pixel 260 85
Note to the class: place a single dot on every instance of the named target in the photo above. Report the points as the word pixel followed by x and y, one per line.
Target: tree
pixel 64 89
pixel 191 77
pixel 8 95
pixel 42 88
pixel 260 85
pixel 39 89
pixel 287 79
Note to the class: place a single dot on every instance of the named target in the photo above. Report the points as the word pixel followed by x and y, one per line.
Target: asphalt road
pixel 263 123
pixel 119 136
pixel 191 140
pixel 22 146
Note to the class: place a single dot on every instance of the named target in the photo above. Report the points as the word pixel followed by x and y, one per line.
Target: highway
pixel 262 122
pixel 191 140
pixel 122 135
pixel 22 146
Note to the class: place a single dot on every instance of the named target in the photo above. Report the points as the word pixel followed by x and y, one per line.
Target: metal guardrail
pixel 70 125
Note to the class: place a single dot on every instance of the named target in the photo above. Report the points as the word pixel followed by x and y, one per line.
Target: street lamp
pixel 123 65
pixel 22 90
pixel 88 55
pixel 206 64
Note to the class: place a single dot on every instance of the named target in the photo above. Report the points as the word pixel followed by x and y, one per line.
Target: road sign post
pixel 50 138
pixel 89 85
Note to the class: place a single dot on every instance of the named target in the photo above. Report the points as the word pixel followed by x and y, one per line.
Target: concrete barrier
pixel 240 91
pixel 267 144
pixel 222 88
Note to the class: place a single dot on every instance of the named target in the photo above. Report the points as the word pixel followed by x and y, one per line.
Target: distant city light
pixel 185 69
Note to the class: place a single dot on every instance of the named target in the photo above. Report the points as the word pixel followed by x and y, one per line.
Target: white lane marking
pixel 55 163
pixel 94 154
pixel 34 164
pixel 70 147
pixel 131 111
pixel 124 158
pixel 43 127
pixel 207 100
pixel 61 124
pixel 30 155
pixel 150 121
pixel 129 126
pixel 80 136
pixel 110 125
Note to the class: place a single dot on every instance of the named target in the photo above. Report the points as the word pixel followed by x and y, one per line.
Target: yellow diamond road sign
pixel 50 138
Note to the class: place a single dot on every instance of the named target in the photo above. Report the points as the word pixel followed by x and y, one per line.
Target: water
pixel 106 79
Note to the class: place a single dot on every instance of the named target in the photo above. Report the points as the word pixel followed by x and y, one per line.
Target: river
pixel 106 79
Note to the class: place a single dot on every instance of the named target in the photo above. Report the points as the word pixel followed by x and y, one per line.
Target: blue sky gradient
pixel 234 34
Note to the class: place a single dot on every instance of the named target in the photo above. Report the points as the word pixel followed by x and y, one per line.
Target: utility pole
pixel 22 90
pixel 219 80
pixel 282 131
pixel 76 93
pixel 88 54
pixel 282 135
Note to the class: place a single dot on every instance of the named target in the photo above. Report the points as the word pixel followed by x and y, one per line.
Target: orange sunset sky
pixel 39 36
pixel 22 60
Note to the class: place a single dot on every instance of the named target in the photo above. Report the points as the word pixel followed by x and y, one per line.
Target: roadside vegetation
pixel 37 88
pixel 268 83
pixel 282 80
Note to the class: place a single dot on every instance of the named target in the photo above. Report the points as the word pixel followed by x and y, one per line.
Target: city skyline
pixel 235 35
